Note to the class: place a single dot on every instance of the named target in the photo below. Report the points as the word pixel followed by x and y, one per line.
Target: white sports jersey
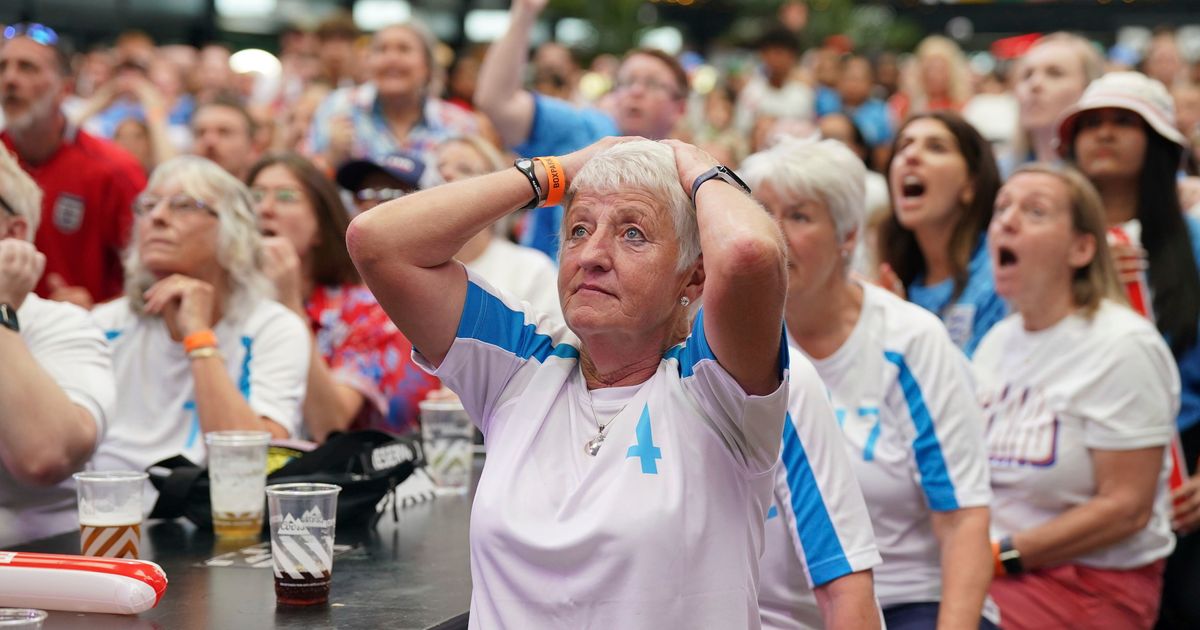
pixel 266 355
pixel 663 528
pixel 525 273
pixel 1052 396
pixel 818 527
pixel 69 346
pixel 903 395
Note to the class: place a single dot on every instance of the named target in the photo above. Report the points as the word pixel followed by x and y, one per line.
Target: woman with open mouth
pixel 1122 135
pixel 1079 393
pixel 943 181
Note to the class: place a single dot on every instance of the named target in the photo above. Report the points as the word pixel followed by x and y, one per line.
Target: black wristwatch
pixel 721 173
pixel 8 318
pixel 1010 557
pixel 525 165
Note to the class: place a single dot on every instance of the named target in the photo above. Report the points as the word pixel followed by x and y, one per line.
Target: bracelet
pixel 997 565
pixel 525 166
pixel 199 339
pixel 207 352
pixel 556 178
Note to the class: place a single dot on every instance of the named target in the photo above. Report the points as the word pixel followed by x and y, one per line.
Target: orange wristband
pixel 556 180
pixel 998 569
pixel 200 339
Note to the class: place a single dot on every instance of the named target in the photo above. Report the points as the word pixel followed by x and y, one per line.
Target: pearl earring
pixel 684 300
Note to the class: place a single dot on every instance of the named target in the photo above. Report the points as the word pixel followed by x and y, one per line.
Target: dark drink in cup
pixel 305 590
pixel 302 519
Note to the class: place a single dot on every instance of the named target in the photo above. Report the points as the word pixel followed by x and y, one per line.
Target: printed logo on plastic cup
pixel 303 560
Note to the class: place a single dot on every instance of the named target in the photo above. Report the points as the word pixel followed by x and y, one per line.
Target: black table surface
pixel 413 573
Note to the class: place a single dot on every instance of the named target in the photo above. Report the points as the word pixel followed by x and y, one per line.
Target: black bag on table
pixel 368 465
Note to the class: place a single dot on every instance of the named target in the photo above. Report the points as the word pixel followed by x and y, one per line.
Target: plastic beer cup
pixel 237 473
pixel 110 513
pixel 302 517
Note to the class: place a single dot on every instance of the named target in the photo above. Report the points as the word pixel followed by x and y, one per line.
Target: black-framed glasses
pixel 145 203
pixel 39 33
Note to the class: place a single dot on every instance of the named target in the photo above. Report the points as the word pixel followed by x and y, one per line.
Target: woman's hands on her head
pixel 282 265
pixel 184 303
pixel 692 162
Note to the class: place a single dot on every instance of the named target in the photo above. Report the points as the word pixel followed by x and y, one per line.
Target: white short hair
pixel 802 169
pixel 239 247
pixel 649 167
pixel 20 192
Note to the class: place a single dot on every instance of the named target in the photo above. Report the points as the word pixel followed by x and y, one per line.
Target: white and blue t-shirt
pixel 266 354
pixel 818 527
pixel 977 308
pixel 663 528
pixel 903 395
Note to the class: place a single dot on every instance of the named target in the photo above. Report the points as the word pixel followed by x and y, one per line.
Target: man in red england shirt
pixel 88 183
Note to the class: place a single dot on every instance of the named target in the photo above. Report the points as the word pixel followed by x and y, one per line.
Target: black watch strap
pixel 722 173
pixel 525 165
pixel 8 317
pixel 1010 557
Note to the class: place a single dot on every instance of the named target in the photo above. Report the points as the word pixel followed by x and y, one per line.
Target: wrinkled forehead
pixel 23 49
pixel 616 205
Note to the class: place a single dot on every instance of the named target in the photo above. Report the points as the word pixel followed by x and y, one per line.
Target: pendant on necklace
pixel 593 445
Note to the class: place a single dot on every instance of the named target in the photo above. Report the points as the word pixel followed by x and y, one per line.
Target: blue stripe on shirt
pixel 935 476
pixel 823 552
pixel 696 349
pixel 491 321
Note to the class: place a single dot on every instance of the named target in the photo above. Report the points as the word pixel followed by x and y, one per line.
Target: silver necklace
pixel 592 446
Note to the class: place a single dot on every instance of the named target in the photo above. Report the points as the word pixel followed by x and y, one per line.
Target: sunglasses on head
pixel 39 33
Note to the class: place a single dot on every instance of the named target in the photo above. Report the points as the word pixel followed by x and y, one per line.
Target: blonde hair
pixel 1097 280
pixel 20 192
pixel 939 47
pixel 649 167
pixel 239 248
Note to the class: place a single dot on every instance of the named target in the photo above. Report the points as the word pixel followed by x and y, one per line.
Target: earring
pixel 684 301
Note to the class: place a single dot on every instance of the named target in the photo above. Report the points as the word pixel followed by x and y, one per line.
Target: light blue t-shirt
pixel 558 128
pixel 977 308
pixel 871 117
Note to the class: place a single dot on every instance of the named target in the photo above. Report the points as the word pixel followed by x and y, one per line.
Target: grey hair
pixel 827 170
pixel 239 247
pixel 647 166
pixel 20 192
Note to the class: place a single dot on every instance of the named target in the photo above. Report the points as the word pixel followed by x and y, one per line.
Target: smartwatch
pixel 1010 557
pixel 721 173
pixel 8 318
pixel 525 165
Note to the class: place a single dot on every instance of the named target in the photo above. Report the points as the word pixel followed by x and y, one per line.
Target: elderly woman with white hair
pixel 902 393
pixel 199 345
pixel 630 447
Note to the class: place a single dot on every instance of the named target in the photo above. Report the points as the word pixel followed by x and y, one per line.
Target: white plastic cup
pixel 237 474
pixel 303 519
pixel 26 618
pixel 110 513
pixel 447 434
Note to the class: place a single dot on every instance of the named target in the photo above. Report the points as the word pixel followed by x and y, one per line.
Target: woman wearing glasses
pixel 198 343
pixel 361 372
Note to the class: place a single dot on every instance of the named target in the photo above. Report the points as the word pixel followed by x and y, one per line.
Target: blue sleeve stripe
pixel 487 319
pixel 112 334
pixel 696 349
pixel 823 550
pixel 935 476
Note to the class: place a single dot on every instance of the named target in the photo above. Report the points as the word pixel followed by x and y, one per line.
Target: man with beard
pixel 650 95
pixel 88 183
